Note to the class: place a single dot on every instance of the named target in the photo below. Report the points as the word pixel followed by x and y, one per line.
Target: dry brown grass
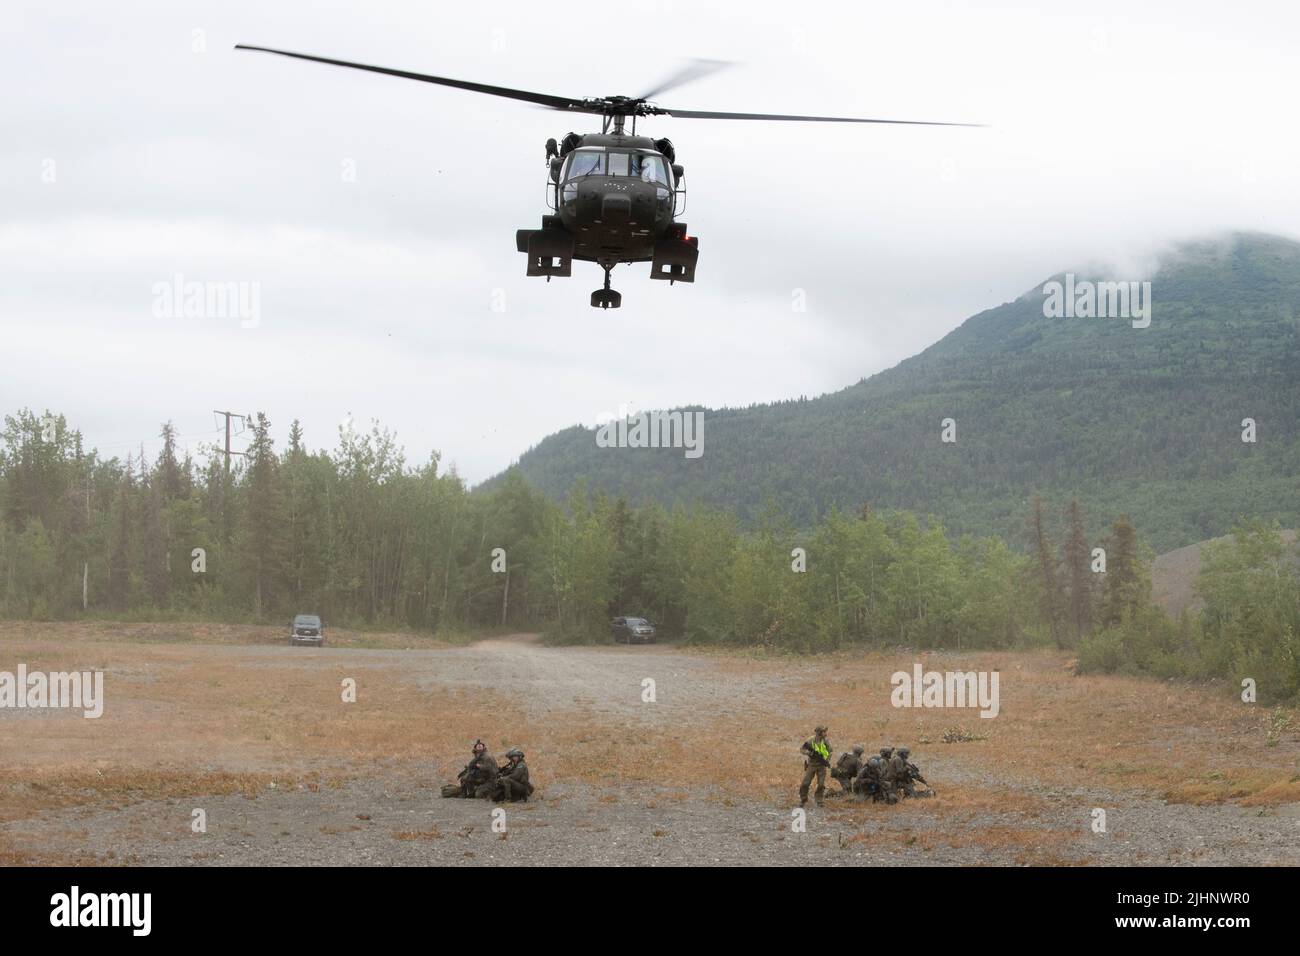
pixel 188 719
pixel 1185 742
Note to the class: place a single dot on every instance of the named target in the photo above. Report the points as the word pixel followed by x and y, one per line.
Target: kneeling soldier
pixel 513 781
pixel 848 767
pixel 912 775
pixel 872 782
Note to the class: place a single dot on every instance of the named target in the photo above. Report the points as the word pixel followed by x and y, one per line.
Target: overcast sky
pixel 137 146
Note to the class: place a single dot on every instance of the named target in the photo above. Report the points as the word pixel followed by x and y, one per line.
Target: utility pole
pixel 229 416
pixel 85 568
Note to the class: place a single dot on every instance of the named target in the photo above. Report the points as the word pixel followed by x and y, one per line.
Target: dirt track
pixel 577 710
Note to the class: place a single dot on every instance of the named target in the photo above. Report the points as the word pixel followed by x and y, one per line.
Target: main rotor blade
pixel 688 73
pixel 542 99
pixel 709 114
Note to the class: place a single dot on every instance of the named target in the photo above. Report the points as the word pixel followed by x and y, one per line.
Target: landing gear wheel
pixel 606 298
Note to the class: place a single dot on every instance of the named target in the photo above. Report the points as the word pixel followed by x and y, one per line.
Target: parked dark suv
pixel 307 629
pixel 632 630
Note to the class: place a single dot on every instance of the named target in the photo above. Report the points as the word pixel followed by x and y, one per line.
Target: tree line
pixel 361 537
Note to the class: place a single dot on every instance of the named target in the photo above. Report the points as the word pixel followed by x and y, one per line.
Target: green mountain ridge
pixel 1146 421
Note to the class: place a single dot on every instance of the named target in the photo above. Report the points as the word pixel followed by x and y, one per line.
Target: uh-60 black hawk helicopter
pixel 616 195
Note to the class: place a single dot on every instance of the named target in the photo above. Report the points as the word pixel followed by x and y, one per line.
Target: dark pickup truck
pixel 307 629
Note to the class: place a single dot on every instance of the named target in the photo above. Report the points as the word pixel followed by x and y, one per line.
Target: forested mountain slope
pixel 1140 420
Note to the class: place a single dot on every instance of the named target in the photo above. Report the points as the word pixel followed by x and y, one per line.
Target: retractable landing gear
pixel 606 298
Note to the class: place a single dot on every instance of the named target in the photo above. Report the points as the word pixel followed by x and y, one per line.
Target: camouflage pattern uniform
pixel 871 782
pixel 896 774
pixel 512 784
pixel 817 758
pixel 481 780
pixel 848 767
pixel 912 773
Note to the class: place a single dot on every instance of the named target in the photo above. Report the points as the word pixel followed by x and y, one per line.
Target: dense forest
pixel 361 537
pixel 1147 421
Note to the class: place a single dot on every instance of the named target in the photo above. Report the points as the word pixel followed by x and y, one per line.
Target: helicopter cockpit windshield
pixel 650 168
pixel 586 162
pixel 647 167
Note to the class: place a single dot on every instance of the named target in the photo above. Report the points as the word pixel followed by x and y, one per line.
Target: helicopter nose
pixel 615 209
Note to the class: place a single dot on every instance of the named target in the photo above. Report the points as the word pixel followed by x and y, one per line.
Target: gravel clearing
pixel 390 814
pixel 396 819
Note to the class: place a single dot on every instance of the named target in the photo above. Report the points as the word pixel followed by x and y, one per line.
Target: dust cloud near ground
pixel 641 755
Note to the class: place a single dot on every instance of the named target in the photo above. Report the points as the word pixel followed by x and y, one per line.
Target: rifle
pixel 471 768
pixel 915 773
pixel 816 758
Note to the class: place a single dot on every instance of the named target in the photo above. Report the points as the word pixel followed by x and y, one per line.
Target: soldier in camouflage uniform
pixel 512 783
pixel 481 773
pixel 848 767
pixel 817 758
pixel 911 774
pixel 871 782
pixel 896 770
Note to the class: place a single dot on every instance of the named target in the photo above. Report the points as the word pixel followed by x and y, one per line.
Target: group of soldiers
pixel 484 779
pixel 884 779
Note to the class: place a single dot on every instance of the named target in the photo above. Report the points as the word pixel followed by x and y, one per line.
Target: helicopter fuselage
pixel 615 197
pixel 615 194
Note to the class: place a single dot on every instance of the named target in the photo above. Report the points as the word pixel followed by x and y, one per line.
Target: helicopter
pixel 614 196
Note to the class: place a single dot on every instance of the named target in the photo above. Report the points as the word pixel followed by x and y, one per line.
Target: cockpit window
pixel 647 167
pixel 650 168
pixel 586 163
pixel 618 163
